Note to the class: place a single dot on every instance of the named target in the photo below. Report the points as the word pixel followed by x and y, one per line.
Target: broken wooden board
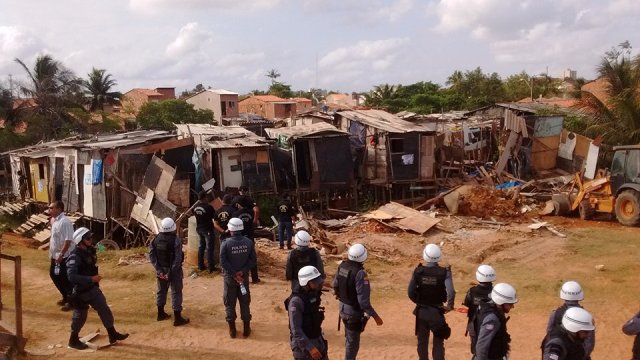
pixel 403 217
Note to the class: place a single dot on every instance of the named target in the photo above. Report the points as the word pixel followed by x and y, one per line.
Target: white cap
pixel 167 225
pixel 235 224
pixel 432 253
pixel 306 274
pixel 302 238
pixel 357 253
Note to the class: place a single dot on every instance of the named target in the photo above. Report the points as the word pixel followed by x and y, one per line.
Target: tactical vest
pixel 86 262
pixel 573 350
pixel 301 258
pixel 346 289
pixel 165 249
pixel 557 316
pixel 636 348
pixel 477 294
pixel 430 285
pixel 312 316
pixel 500 344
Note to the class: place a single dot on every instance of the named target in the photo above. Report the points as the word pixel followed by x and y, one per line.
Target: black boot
pixel 115 336
pixel 232 329
pixel 75 343
pixel 162 315
pixel 178 319
pixel 246 329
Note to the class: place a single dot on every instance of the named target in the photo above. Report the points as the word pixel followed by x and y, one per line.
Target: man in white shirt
pixel 60 247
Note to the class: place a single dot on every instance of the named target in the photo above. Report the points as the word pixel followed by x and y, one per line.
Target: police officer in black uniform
pixel 286 214
pixel 223 214
pixel 306 316
pixel 431 286
pixel 165 254
pixel 632 328
pixel 246 213
pixel 205 214
pixel 82 270
pixel 486 275
pixel 351 286
pixel 567 341
pixel 493 342
pixel 303 255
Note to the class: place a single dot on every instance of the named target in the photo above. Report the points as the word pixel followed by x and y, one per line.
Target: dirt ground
pixel 536 263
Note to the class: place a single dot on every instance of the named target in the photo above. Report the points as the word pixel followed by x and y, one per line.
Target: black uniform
pixel 632 327
pixel 246 215
pixel 205 214
pixel 305 323
pixel 81 267
pixel 285 222
pixel 165 254
pixel 563 345
pixel 223 214
pixel 430 287
pixel 493 340
pixel 300 257
pixel 472 300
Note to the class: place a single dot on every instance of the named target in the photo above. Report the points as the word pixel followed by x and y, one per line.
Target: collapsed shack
pixel 95 176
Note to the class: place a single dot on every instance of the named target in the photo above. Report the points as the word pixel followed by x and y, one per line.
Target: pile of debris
pixel 485 202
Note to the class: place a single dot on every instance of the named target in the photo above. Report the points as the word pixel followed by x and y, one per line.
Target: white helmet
pixel 235 224
pixel 357 253
pixel 432 253
pixel 504 293
pixel 571 290
pixel 167 225
pixel 302 238
pixel 577 319
pixel 79 234
pixel 306 274
pixel 485 273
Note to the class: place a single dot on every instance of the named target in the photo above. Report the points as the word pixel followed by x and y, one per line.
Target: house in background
pixel 303 104
pixel 223 103
pixel 344 100
pixel 133 99
pixel 268 106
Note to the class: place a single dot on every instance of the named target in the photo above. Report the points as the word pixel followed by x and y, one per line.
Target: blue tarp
pixel 97 172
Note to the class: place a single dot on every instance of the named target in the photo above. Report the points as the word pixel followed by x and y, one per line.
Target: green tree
pixel 164 114
pixel 54 89
pixel 98 89
pixel 273 74
pixel 380 95
pixel 281 90
pixel 617 116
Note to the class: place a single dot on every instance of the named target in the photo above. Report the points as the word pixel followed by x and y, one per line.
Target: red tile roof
pixel 268 98
pixel 147 92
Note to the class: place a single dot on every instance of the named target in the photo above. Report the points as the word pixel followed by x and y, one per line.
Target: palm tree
pixel 54 89
pixel 97 88
pixel 273 74
pixel 615 116
pixel 380 94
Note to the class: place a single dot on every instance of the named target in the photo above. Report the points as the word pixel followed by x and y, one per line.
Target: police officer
pixel 205 214
pixel 491 324
pixel 165 254
pixel 566 341
pixel 351 286
pixel 571 292
pixel 247 202
pixel 431 285
pixel 82 270
pixel 223 214
pixel 245 213
pixel 303 255
pixel 632 327
pixel 237 257
pixel 306 316
pixel 486 275
pixel 286 218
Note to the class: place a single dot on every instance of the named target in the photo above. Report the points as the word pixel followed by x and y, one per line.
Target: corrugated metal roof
pixel 221 137
pixel 383 120
pixel 301 131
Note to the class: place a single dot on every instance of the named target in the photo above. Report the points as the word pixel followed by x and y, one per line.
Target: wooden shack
pixel 232 155
pixel 318 156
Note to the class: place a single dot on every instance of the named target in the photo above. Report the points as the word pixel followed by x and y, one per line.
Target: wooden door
pixel 427 156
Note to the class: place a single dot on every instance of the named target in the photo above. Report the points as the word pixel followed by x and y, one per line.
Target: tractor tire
pixel 107 244
pixel 561 204
pixel 628 208
pixel 586 210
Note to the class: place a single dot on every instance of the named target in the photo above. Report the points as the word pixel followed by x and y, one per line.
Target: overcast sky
pixel 345 45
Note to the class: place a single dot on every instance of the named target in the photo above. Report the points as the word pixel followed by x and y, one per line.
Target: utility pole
pixel 11 85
